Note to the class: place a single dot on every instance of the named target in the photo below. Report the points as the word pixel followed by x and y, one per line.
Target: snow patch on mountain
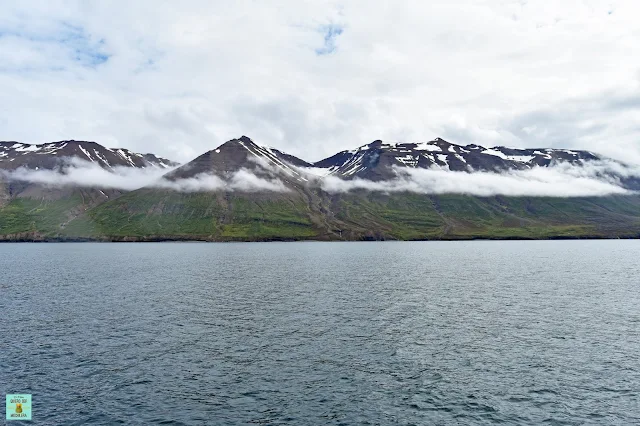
pixel 49 155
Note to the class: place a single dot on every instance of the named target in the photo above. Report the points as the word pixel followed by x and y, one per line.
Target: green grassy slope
pixel 38 217
pixel 160 215
pixel 204 216
pixel 414 216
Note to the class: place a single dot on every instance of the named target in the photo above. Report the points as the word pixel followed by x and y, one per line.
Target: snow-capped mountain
pixel 244 191
pixel 375 161
pixel 58 156
pixel 50 155
pixel 243 153
pixel 378 161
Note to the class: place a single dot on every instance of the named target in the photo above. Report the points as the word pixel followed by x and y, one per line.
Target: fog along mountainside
pixel 241 191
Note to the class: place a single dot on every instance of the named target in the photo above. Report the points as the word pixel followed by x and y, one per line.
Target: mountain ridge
pixel 17 154
pixel 347 163
pixel 303 210
pixel 440 153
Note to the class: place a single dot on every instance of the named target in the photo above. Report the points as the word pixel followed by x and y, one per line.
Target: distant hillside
pixel 374 161
pixel 40 207
pixel 301 209
pixel 48 155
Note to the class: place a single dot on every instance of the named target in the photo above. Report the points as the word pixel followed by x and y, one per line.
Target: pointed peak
pixel 375 144
pixel 438 141
pixel 242 140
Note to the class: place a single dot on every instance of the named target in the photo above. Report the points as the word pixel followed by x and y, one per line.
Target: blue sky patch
pixel 82 49
pixel 86 51
pixel 331 33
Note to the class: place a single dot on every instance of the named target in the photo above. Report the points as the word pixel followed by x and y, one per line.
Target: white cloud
pixel 313 78
pixel 596 179
pixel 75 172
pixel 242 180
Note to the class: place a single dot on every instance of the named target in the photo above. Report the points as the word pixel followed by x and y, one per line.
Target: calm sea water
pixel 323 333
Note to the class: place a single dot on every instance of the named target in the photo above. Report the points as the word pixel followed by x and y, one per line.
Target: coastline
pixel 185 239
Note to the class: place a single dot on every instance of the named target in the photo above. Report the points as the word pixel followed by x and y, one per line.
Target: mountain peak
pixel 50 155
pixel 236 144
pixel 377 160
pixel 238 154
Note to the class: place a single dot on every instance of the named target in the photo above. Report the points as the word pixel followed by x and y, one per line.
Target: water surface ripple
pixel 323 333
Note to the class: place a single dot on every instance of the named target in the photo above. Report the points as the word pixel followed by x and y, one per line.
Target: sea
pixel 315 333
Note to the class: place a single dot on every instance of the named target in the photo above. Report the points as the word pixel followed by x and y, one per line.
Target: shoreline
pixel 294 240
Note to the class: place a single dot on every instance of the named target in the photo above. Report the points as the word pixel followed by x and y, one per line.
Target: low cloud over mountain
pixel 436 167
pixel 556 181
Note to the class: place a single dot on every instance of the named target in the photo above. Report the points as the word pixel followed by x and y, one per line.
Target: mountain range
pixel 248 192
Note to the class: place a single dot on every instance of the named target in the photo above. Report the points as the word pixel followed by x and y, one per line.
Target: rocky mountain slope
pixel 49 155
pixel 302 209
pixel 375 161
pixel 238 154
pixel 58 205
pixel 57 155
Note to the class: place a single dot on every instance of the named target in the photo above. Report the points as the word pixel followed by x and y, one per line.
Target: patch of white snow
pixel 494 153
pixel 427 146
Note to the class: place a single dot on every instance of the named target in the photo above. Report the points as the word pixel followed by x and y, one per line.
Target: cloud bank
pixel 595 178
pixel 598 179
pixel 243 180
pixel 75 172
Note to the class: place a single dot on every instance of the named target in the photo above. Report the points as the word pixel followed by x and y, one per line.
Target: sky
pixel 316 77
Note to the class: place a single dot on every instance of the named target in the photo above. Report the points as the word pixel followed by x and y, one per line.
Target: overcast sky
pixel 313 78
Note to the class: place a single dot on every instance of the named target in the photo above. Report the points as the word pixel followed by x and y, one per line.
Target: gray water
pixel 323 333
